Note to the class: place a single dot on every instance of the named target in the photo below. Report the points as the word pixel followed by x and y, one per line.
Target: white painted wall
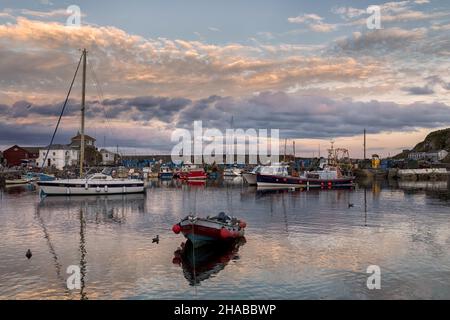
pixel 58 158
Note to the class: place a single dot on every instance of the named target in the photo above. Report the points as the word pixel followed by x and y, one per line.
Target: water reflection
pixel 300 244
pixel 18 189
pixel 201 263
pixel 98 209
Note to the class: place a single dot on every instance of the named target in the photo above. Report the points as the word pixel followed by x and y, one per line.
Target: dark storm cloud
pixel 426 90
pixel 146 108
pixel 40 135
pixel 136 109
pixel 315 117
pixel 295 116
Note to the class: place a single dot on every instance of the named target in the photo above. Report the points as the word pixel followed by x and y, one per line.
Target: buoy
pixel 176 228
pixel 28 254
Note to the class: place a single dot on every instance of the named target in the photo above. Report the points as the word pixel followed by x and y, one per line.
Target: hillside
pixel 436 140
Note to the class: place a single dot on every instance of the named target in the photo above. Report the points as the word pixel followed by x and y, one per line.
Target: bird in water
pixel 156 239
pixel 350 205
pixel 28 254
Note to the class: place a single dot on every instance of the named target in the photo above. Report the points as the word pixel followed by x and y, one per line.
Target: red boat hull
pixel 198 174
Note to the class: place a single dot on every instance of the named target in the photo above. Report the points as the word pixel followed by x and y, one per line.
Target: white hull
pixel 98 184
pixel 280 185
pixel 16 182
pixel 67 190
pixel 250 178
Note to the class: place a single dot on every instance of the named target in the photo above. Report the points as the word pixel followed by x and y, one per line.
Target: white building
pixel 60 155
pixel 108 157
pixel 433 156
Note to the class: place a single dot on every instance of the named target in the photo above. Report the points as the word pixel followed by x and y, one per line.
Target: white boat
pixel 16 181
pixel 232 172
pixel 250 177
pixel 95 184
pixel 98 183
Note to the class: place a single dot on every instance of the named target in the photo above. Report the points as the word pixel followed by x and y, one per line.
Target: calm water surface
pixel 299 245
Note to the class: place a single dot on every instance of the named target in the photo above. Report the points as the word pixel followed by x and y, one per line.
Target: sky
pixel 312 69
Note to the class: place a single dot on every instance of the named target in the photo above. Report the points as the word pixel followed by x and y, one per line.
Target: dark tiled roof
pixel 86 137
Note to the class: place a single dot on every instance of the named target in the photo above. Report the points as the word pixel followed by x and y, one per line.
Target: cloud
pixel 313 117
pixel 57 13
pixel 214 29
pixel 380 41
pixel 426 90
pixel 314 22
pixel 391 12
pixel 432 82
pixel 438 80
pixel 41 56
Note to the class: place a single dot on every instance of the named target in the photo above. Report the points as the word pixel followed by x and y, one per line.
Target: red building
pixel 16 156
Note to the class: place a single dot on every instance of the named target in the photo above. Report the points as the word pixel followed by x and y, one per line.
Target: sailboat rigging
pixel 97 183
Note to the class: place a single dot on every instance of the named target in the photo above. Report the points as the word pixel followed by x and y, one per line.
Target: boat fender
pixel 176 228
pixel 106 188
pixel 97 189
pixel 86 186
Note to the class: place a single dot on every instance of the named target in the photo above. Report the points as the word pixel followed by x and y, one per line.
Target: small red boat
pixel 193 174
pixel 202 231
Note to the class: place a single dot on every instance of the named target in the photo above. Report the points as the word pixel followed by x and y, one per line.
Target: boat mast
pixel 83 95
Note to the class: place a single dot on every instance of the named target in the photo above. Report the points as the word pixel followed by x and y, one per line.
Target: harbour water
pixel 299 245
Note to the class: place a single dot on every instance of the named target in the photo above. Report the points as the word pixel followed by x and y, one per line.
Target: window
pixel 54 153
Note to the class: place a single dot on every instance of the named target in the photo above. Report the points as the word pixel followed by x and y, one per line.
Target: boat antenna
pixel 83 100
pixel 61 114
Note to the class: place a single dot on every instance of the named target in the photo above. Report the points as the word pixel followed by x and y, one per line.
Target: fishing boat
pixel 97 183
pixel 165 173
pixel 203 231
pixel 193 173
pixel 328 178
pixel 250 177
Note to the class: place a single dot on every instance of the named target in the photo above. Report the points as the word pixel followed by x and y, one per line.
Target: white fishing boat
pixel 97 183
pixel 250 177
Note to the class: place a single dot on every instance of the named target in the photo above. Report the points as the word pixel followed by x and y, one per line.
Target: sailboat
pixel 97 183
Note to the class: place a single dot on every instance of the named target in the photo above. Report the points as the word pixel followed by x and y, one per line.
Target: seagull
pixel 155 239
pixel 350 205
pixel 28 254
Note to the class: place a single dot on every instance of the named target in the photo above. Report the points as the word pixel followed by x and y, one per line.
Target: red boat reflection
pixel 203 262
